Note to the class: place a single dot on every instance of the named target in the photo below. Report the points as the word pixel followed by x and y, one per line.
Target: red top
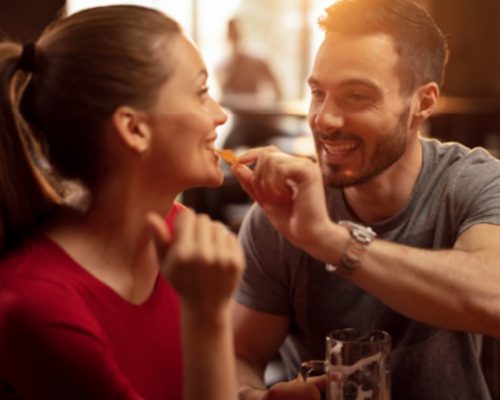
pixel 66 335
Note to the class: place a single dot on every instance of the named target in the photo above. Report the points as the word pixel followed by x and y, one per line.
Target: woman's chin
pixel 218 180
pixel 214 180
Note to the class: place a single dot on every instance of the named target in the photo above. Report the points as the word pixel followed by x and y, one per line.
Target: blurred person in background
pixel 251 92
pixel 117 291
pixel 244 73
pixel 248 85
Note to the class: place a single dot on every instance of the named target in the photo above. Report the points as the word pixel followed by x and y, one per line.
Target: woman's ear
pixel 426 101
pixel 131 128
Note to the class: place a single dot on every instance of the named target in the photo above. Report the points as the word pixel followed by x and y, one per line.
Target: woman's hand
pixel 202 260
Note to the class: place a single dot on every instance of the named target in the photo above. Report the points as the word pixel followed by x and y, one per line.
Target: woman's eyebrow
pixel 202 74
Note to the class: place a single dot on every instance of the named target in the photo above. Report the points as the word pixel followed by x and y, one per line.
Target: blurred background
pixel 283 34
pixel 259 54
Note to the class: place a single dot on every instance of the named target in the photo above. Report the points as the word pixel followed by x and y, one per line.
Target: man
pixel 244 73
pixel 429 271
pixel 248 85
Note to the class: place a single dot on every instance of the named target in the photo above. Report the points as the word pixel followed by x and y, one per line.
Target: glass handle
pixel 312 368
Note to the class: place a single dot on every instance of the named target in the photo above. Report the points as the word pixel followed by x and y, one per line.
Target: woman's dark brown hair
pixel 83 68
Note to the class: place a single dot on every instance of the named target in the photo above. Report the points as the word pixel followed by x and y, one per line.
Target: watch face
pixel 363 234
pixel 361 237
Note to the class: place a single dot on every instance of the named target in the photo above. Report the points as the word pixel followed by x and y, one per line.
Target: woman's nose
pixel 220 116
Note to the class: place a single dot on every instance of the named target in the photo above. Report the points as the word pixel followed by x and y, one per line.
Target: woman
pixel 113 101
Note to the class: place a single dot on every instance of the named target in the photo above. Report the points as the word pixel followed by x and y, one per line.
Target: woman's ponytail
pixel 26 198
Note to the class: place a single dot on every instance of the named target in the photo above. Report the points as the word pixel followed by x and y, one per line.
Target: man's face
pixel 358 118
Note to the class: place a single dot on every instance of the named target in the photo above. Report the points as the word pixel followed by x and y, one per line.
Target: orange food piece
pixel 227 155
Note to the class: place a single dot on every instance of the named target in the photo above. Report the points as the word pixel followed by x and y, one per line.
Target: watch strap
pixel 360 237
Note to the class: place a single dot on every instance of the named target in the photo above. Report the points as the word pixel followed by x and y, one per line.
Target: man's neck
pixel 387 194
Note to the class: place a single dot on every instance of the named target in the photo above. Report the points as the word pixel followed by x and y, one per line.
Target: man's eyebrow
pixel 349 82
pixel 360 81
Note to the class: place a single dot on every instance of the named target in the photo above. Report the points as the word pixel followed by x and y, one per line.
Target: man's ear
pixel 426 101
pixel 131 128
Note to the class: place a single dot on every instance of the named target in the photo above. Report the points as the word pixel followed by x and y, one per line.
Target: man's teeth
pixel 339 148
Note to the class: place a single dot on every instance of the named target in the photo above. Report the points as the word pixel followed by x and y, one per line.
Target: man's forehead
pixel 355 57
pixel 334 42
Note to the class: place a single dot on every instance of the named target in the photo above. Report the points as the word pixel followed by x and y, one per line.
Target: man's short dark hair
pixel 422 48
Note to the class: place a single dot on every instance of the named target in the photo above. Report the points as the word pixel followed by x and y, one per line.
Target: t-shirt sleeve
pixel 265 282
pixel 52 349
pixel 476 192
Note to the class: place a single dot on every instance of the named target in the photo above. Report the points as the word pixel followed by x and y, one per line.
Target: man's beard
pixel 388 150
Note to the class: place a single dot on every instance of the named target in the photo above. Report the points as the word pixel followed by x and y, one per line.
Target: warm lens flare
pixel 227 155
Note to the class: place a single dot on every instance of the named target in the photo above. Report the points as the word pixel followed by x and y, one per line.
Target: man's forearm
pixel 251 384
pixel 418 283
pixel 251 394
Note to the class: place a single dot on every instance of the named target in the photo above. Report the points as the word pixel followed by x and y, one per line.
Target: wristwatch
pixel 361 237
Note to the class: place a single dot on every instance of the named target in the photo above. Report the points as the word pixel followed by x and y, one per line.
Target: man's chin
pixel 338 179
pixel 344 180
pixel 339 183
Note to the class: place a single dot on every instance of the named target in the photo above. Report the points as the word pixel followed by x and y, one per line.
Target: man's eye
pixel 358 97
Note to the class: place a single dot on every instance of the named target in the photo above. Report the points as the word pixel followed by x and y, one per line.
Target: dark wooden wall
pixel 24 20
pixel 473 33
pixel 473 72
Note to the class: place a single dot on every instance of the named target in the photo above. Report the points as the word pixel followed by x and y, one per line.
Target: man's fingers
pixel 246 178
pixel 251 155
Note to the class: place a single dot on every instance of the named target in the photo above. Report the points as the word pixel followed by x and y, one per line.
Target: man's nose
pixel 328 117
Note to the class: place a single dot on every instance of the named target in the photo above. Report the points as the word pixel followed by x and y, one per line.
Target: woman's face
pixel 183 123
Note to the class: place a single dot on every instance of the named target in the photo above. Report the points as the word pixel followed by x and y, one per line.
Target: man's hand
pixel 297 389
pixel 291 390
pixel 289 189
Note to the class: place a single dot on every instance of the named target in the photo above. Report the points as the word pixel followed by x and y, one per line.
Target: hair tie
pixel 26 62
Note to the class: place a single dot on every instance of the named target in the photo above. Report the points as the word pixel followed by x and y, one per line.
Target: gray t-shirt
pixel 456 189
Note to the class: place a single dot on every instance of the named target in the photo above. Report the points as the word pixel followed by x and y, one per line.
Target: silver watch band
pixel 361 237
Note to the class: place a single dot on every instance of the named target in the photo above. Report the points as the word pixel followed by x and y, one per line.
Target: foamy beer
pixel 356 365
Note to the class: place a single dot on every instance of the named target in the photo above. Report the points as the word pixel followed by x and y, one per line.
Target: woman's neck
pixel 111 240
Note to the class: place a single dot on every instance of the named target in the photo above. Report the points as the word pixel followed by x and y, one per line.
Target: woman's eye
pixel 203 92
pixel 317 94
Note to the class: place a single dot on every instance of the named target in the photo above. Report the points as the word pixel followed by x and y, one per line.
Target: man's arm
pixel 453 289
pixel 257 336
